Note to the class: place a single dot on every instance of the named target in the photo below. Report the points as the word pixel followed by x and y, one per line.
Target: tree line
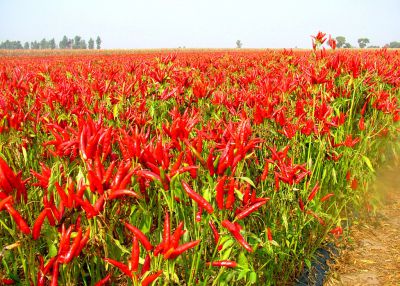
pixel 363 43
pixel 66 43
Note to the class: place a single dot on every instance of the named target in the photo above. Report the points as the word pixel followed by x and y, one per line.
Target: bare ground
pixel 372 255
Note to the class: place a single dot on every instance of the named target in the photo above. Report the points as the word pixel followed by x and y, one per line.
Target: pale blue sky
pixel 200 24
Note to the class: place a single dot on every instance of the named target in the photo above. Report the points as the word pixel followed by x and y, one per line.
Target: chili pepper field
pixel 186 167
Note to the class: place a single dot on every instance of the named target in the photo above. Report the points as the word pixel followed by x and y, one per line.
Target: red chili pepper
pixel 103 281
pixel 199 212
pixel 348 176
pixel 7 281
pixel 98 166
pixel 167 231
pixel 223 263
pixel 65 239
pixel 230 200
pixel 177 164
pixel 148 175
pixel 234 230
pixel 122 169
pixel 337 231
pixel 94 182
pixel 320 220
pixel 184 169
pixel 92 145
pixel 7 176
pixel 83 242
pixel 158 249
pixel 54 278
pixel 247 211
pixel 269 234
pixel 124 268
pixel 119 193
pixel 63 195
pixel 71 193
pixel 108 174
pixel 87 207
pixel 20 222
pixel 276 181
pixel 126 180
pixel 301 204
pixel 313 192
pixel 265 171
pixel 354 184
pixel 246 195
pixel 196 153
pixel 37 226
pixel 361 124
pixel 326 197
pixel 220 189
pixel 140 235
pixel 106 148
pixel 182 248
pixel 65 259
pixel 210 162
pixel 135 254
pixel 146 265
pixel 83 143
pixel 214 231
pixel 197 198
pixel 4 183
pixel 177 235
pixel 7 200
pixel 151 278
pixel 99 204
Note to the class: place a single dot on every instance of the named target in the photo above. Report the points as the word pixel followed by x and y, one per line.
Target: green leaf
pixel 243 262
pixel 146 224
pixel 24 154
pixel 243 274
pixel 116 110
pixel 253 277
pixel 52 250
pixel 207 194
pixel 248 180
pixel 368 162
pixel 334 176
pixel 308 263
pixel 120 246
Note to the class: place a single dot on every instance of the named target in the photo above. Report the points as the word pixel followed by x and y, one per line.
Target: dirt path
pixel 373 256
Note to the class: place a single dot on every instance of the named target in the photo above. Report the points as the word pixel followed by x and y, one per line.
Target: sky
pixel 200 23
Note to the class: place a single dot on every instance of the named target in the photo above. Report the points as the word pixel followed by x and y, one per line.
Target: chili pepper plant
pixel 189 167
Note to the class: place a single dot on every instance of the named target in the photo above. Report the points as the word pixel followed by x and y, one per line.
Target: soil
pixel 372 253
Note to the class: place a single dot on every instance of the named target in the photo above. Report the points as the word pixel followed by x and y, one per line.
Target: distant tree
pixel 394 45
pixel 82 45
pixel 347 46
pixel 26 46
pixel 373 47
pixel 362 42
pixel 63 43
pixel 340 41
pixel 77 42
pixel 35 45
pixel 91 44
pixel 239 44
pixel 11 45
pixel 52 44
pixel 18 45
pixel 70 43
pixel 44 44
pixel 98 42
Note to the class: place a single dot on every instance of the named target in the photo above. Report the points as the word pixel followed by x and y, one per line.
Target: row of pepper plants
pixel 193 168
